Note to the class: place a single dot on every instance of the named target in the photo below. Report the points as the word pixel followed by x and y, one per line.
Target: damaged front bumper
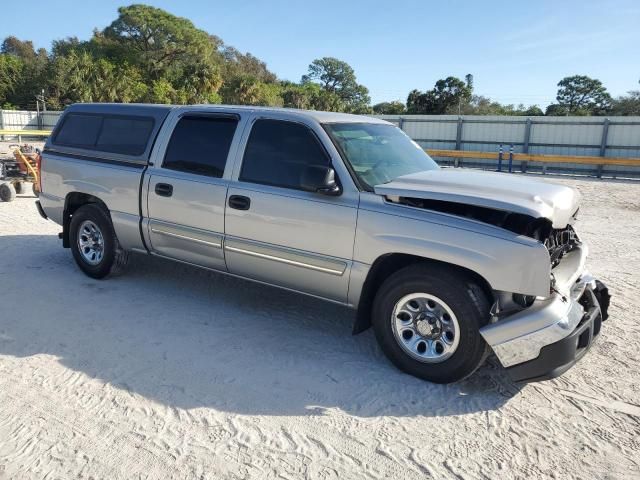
pixel 546 339
pixel 560 356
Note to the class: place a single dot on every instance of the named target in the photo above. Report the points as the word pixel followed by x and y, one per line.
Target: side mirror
pixel 320 179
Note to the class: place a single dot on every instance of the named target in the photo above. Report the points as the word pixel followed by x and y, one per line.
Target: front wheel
pixel 94 243
pixel 427 320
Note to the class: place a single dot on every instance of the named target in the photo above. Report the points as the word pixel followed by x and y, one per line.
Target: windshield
pixel 379 153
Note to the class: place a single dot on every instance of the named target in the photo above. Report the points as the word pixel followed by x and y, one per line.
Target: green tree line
pixel 148 55
pixel 577 95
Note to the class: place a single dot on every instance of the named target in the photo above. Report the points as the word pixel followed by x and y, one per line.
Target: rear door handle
pixel 239 202
pixel 164 189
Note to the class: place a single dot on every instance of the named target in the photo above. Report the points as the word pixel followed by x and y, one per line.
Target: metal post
pixel 603 145
pixel 38 117
pixel 500 159
pixel 1 124
pixel 458 161
pixel 525 146
pixel 511 158
pixel 459 134
pixel 527 136
pixel 400 122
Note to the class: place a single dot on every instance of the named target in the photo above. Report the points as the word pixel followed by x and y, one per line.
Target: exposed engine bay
pixel 558 241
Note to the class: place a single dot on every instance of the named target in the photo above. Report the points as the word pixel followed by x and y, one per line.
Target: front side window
pixel 279 152
pixel 378 153
pixel 200 145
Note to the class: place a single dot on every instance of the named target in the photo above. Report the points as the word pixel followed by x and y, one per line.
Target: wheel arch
pixel 72 202
pixel 390 263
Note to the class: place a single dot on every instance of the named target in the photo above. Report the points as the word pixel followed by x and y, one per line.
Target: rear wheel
pixel 94 243
pixel 427 320
pixel 7 192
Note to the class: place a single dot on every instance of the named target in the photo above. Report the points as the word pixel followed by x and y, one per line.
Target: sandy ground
pixel 175 372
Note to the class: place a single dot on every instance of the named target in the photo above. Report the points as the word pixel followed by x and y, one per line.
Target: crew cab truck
pixel 447 265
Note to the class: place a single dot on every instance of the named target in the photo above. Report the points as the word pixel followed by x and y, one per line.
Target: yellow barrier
pixel 27 133
pixel 24 133
pixel 528 157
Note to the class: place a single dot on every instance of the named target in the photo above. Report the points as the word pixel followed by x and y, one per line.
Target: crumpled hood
pixel 500 191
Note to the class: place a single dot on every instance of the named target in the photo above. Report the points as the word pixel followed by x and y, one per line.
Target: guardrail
pixel 525 158
pixel 528 157
pixel 25 133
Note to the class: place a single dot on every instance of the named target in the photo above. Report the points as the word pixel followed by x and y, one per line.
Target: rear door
pixel 187 189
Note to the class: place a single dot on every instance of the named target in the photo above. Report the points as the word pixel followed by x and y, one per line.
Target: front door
pixel 187 192
pixel 278 233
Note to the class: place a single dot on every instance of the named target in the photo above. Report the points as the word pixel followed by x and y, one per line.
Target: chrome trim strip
pixel 252 253
pixel 184 237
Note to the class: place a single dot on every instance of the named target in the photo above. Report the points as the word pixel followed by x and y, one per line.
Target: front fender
pixel 507 262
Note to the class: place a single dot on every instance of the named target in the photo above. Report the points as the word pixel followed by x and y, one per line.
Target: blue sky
pixel 516 50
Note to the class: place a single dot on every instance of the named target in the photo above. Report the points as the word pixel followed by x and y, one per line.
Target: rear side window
pixel 278 152
pixel 200 145
pixel 79 130
pixel 126 135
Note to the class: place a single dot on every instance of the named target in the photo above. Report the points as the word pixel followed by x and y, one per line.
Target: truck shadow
pixel 190 338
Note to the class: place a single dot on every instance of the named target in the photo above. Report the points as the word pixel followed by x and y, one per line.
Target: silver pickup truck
pixel 447 265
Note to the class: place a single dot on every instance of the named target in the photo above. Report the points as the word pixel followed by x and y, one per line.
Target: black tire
pixel 114 258
pixel 7 192
pixel 20 187
pixel 461 294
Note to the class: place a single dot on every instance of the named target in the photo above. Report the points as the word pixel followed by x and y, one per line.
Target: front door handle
pixel 239 202
pixel 164 189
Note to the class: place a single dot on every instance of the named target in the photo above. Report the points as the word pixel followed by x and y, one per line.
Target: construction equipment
pixel 15 172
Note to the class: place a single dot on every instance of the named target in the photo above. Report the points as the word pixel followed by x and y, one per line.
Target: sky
pixel 517 51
